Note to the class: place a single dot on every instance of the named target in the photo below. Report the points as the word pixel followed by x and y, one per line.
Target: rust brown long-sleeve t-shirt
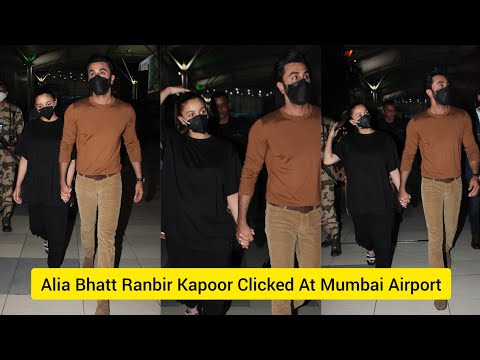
pixel 97 131
pixel 440 139
pixel 291 148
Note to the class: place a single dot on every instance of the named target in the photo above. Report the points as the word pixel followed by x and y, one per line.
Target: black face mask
pixel 46 112
pixel 442 96
pixel 99 85
pixel 198 123
pixel 299 92
pixel 365 122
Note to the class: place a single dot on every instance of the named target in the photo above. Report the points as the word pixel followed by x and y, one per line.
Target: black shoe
pixel 336 247
pixel 327 242
pixel 7 227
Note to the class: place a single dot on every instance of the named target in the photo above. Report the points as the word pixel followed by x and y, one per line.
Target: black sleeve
pixel 74 152
pixel 339 149
pixel 232 171
pixel 391 155
pixel 23 144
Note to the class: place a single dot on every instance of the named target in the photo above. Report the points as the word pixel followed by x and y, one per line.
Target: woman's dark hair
pixel 351 107
pixel 44 91
pixel 183 98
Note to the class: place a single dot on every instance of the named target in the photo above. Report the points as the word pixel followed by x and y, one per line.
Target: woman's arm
pixel 22 170
pixel 70 173
pixel 329 158
pixel 232 201
pixel 170 91
pixel 395 175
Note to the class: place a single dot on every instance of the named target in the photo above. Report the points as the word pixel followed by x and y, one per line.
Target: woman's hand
pixel 16 195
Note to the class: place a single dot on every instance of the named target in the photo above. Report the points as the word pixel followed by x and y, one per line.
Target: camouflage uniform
pixel 329 215
pixel 11 121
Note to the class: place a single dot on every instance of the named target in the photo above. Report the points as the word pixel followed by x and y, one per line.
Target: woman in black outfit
pixel 200 180
pixel 371 160
pixel 38 177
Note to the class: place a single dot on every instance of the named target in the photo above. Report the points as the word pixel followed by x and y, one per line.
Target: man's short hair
pixel 99 58
pixel 388 102
pixel 218 94
pixel 292 56
pixel 429 76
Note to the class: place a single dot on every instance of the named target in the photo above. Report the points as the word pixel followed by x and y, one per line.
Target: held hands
pixel 65 192
pixel 404 198
pixel 244 235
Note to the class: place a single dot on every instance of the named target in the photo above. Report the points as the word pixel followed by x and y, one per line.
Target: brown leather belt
pixel 302 209
pixel 97 177
pixel 448 180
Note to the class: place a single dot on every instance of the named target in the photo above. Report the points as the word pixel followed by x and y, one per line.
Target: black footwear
pixel 7 227
pixel 371 257
pixel 327 242
pixel 45 245
pixel 476 242
pixel 440 304
pixel 336 247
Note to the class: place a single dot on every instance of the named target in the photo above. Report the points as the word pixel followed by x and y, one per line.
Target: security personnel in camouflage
pixel 328 177
pixel 11 125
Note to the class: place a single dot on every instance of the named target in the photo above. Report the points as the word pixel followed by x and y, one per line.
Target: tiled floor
pixel 20 251
pixel 411 251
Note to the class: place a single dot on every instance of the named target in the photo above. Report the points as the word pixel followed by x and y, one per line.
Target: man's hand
pixel 473 187
pixel 404 198
pixel 138 192
pixel 65 192
pixel 244 235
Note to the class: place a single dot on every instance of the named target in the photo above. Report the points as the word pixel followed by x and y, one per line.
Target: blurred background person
pixel 11 126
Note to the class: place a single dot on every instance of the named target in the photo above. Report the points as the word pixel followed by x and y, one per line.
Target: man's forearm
pixel 243 203
pixel 63 172
pixel 137 167
pixel 403 179
pixel 474 166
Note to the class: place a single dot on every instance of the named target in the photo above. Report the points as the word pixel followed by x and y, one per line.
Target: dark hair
pixel 183 98
pixel 215 95
pixel 99 58
pixel 4 85
pixel 44 91
pixel 218 94
pixel 475 98
pixel 429 77
pixel 292 56
pixel 351 107
pixel 388 102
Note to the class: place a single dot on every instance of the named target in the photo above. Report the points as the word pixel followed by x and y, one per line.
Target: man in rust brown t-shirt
pixel 440 132
pixel 96 125
pixel 289 142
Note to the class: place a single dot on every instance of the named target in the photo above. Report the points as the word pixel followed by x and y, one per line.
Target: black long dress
pixel 197 177
pixel 369 159
pixel 39 144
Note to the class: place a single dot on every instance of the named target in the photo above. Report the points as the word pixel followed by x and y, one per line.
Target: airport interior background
pixel 340 74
